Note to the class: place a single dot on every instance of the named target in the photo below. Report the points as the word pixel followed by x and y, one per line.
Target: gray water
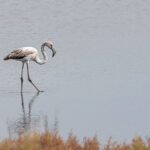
pixel 99 80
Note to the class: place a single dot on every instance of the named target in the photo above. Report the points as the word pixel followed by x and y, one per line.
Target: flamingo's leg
pixel 29 79
pixel 22 77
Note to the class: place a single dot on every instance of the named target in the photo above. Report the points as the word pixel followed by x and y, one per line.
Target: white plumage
pixel 27 54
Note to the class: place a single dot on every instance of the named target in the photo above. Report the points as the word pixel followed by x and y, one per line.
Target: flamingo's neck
pixel 45 58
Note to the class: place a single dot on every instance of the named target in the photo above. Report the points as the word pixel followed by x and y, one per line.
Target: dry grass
pixel 52 141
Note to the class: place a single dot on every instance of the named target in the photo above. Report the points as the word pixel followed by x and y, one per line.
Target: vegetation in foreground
pixel 51 141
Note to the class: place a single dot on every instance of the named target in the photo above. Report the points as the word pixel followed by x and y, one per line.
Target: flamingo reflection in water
pixel 29 122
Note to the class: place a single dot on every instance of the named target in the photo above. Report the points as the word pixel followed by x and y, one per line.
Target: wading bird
pixel 27 54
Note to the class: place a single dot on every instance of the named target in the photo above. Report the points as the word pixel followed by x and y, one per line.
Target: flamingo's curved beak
pixel 54 51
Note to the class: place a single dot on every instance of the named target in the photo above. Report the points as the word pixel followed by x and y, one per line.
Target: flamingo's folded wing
pixel 18 54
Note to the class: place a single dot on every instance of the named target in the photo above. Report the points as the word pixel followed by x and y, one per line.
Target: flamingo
pixel 27 54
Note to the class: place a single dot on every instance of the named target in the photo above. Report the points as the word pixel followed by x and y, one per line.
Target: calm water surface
pixel 99 81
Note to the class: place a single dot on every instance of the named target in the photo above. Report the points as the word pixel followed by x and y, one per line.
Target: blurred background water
pixel 99 80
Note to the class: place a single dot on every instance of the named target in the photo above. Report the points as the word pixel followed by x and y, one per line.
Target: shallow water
pixel 99 80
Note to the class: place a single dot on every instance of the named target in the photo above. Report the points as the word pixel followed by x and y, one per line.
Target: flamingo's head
pixel 49 44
